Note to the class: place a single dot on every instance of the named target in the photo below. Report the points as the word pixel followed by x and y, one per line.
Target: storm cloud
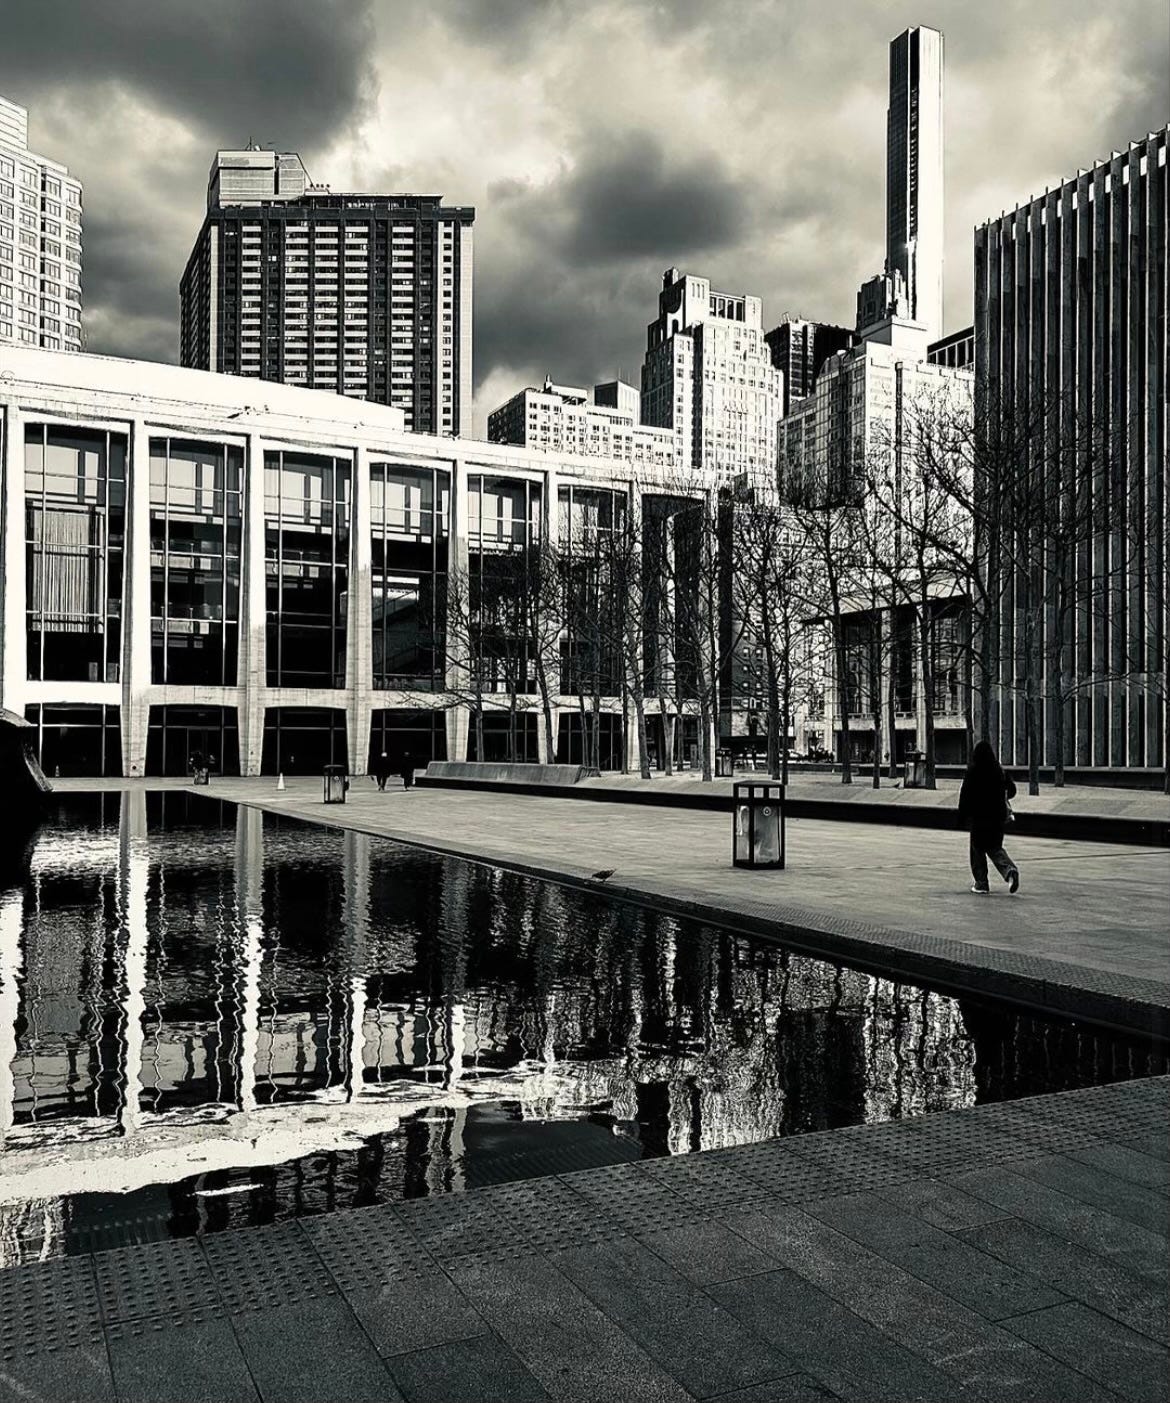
pixel 601 141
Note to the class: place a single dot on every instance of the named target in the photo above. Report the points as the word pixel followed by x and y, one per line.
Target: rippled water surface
pixel 211 1017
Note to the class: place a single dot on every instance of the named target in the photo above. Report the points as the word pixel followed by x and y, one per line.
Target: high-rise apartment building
pixel 561 419
pixel 911 286
pixel 708 376
pixel 799 349
pixel 1071 336
pixel 361 294
pixel 40 242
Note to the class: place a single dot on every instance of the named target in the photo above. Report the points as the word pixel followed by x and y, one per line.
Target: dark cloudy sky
pixel 600 140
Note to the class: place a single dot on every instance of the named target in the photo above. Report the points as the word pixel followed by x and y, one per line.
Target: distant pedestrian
pixel 407 770
pixel 984 806
pixel 382 770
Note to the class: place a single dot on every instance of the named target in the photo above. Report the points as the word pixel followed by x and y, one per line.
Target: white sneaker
pixel 981 891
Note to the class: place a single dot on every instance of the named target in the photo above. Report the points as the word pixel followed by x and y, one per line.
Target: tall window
pixel 75 520
pixel 503 537
pixel 306 518
pixel 409 525
pixel 194 561
pixel 590 660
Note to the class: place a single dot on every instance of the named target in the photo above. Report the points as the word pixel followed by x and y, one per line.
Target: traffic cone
pixel 280 782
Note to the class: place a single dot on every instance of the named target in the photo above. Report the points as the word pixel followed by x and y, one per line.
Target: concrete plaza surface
pixel 1006 1252
pixel 1015 1251
pixel 1090 920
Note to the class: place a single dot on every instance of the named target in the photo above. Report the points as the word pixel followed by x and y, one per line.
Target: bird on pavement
pixel 603 874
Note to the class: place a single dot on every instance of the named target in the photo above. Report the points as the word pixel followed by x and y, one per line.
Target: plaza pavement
pixel 1015 1251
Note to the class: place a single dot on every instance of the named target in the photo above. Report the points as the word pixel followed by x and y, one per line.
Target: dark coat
pixel 983 802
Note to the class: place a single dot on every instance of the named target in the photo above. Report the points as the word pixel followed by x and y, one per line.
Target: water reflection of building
pixel 315 1013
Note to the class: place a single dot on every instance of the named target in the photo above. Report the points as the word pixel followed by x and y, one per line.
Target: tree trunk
pixel 843 700
pixel 1031 715
pixel 667 735
pixel 926 670
pixel 550 742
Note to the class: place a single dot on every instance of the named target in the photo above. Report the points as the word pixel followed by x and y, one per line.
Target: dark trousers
pixel 984 845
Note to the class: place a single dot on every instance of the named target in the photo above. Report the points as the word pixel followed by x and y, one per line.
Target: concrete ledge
pixel 493 772
pixel 526 779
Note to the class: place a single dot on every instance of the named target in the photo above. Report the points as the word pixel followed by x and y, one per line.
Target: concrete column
pixel 13 625
pixel 359 662
pixel 136 605
pixel 252 678
pixel 457 565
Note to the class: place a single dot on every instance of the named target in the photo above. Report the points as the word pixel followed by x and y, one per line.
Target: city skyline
pixel 585 189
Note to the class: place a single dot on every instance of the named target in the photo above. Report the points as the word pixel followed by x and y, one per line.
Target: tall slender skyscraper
pixel 914 173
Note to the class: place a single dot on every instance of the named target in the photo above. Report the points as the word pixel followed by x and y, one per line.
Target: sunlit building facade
pixel 261 575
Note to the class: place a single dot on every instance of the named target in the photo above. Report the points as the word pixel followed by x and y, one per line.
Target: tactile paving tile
pixel 257 1268
pixel 367 1247
pixel 168 1280
pixel 709 1184
pixel 48 1306
pixel 459 1226
pixel 548 1214
pixel 629 1197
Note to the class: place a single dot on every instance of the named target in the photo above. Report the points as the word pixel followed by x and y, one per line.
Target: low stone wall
pixel 499 771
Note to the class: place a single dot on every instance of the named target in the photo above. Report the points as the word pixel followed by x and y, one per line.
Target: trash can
pixel 758 824
pixel 914 775
pixel 336 783
pixel 724 768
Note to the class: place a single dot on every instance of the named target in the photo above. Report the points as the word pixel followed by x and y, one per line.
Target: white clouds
pixel 599 140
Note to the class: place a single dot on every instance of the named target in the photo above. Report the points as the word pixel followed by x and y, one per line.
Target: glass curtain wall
pixel 409 526
pixel 306 520
pixel 75 522
pixel 77 740
pixel 504 532
pixel 194 561
pixel 177 734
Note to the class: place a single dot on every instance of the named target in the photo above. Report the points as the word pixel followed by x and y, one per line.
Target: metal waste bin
pixel 336 783
pixel 724 768
pixel 758 824
pixel 914 775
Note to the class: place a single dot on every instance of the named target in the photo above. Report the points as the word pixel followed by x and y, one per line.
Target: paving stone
pixel 575 1351
pixel 632 1199
pixel 261 1267
pixel 48 1306
pixel 832 1344
pixel 461 1225
pixel 704 1182
pixel 988 1286
pixel 415 1314
pixel 795 1388
pixel 483 1369
pixel 1120 1197
pixel 1125 1163
pixel 367 1247
pixel 679 1326
pixel 940 1204
pixel 187 1364
pixel 706 1252
pixel 313 1350
pixel 1073 1271
pixel 1129 1364
pixel 1137 1250
pixel 958 1342
pixel 75 1372
pixel 549 1215
pixel 167 1279
pixel 1156 1145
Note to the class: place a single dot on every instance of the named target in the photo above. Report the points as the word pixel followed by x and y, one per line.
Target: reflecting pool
pixel 212 1017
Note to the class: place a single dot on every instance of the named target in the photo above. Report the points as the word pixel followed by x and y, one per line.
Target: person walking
pixel 382 770
pixel 407 770
pixel 984 807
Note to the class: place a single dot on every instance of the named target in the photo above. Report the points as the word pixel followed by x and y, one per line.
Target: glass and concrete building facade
pixel 359 294
pixel 799 349
pixel 708 376
pixel 1071 320
pixel 40 242
pixel 563 419
pixel 187 570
